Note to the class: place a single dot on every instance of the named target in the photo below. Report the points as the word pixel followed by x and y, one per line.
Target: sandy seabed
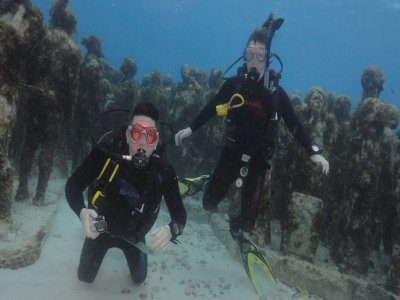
pixel 199 267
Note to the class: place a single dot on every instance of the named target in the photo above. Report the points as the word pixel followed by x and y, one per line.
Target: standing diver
pixel 253 111
pixel 127 201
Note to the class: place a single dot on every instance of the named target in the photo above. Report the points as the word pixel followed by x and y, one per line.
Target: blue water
pixel 322 42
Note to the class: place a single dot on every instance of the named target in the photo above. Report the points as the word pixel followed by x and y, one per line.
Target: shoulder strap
pixel 108 171
pixel 102 183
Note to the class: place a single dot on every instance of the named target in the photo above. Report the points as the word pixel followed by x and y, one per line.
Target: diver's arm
pixel 292 122
pixel 295 127
pixel 173 201
pixel 226 91
pixel 84 175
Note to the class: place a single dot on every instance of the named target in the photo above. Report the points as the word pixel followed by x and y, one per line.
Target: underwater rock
pixel 304 214
pixel 320 278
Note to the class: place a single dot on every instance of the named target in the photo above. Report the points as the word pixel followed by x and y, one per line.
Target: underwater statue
pixel 372 82
pixel 55 69
pixel 369 159
pixel 156 93
pixel 126 91
pixel 89 103
pixel 188 98
pixel 21 30
pixel 66 57
pixel 38 90
pixel 393 279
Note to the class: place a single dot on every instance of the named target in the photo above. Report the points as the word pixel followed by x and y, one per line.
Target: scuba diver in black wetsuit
pixel 127 201
pixel 253 112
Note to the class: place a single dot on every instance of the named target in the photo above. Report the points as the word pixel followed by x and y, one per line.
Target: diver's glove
pixel 182 134
pixel 87 217
pixel 320 160
pixel 160 238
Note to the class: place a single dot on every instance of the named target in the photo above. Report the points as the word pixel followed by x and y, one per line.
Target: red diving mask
pixel 137 131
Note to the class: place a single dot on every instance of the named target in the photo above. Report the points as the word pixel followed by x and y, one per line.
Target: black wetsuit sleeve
pixel 84 175
pixel 172 197
pixel 223 95
pixel 292 122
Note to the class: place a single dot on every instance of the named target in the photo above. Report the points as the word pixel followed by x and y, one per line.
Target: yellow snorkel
pixel 222 109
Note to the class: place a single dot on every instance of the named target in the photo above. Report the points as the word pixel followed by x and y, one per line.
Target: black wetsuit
pixel 132 206
pixel 249 131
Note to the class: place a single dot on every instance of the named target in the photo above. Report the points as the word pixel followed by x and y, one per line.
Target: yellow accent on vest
pixel 104 168
pixel 222 109
pixel 99 193
pixel 95 198
pixel 113 173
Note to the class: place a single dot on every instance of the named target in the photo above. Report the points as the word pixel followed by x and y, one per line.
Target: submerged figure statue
pixel 55 69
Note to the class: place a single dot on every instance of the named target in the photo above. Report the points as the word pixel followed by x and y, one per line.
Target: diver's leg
pixel 93 252
pixel 224 174
pixel 137 262
pixel 252 192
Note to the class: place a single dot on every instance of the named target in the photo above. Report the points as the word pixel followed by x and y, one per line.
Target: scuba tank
pixel 272 25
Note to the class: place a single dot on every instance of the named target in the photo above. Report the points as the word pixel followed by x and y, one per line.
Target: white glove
pixel 182 134
pixel 160 238
pixel 87 217
pixel 320 160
